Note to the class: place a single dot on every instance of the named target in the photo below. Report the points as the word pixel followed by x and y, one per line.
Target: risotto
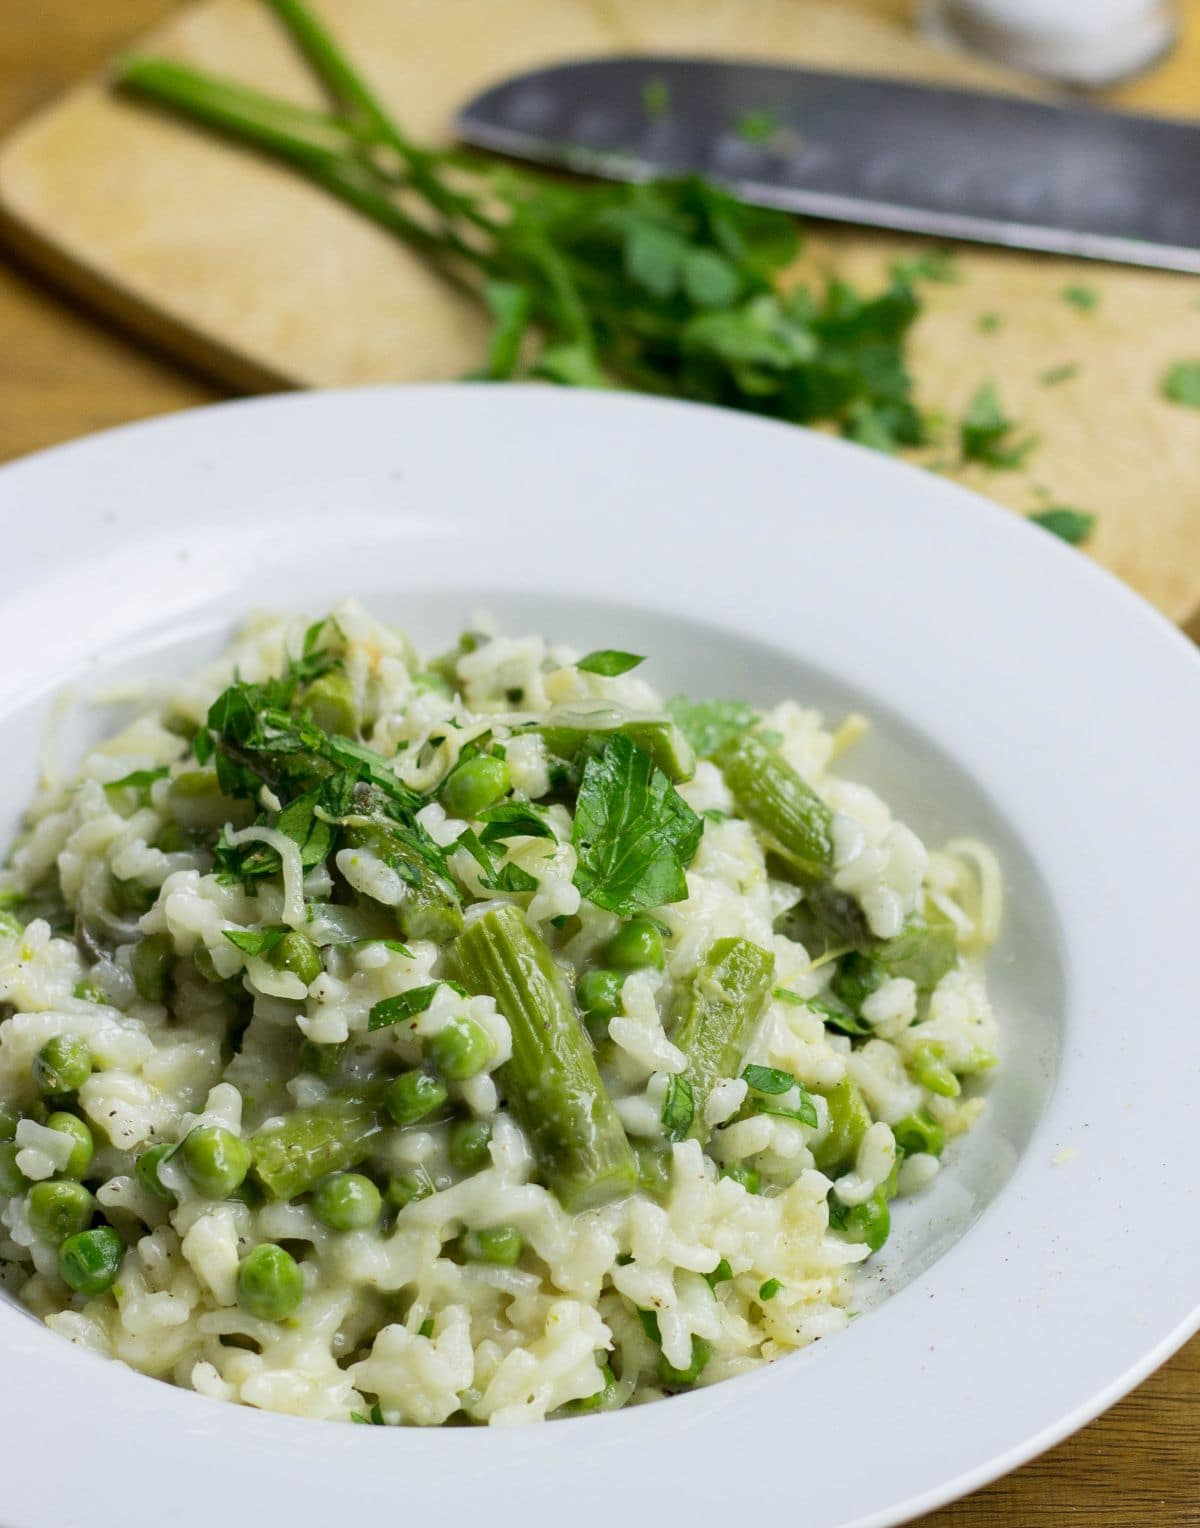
pixel 469 1039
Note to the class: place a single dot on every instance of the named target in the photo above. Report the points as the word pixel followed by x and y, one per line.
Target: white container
pixel 1077 42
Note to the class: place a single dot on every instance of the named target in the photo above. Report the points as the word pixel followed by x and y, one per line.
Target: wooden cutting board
pixel 262 280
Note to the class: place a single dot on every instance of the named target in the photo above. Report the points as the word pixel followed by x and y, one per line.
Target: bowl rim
pixel 1063 1248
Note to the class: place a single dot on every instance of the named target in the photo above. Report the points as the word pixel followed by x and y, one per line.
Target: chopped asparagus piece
pixel 566 731
pixel 292 1156
pixel 784 806
pixel 551 1079
pixel 728 992
pixel 430 909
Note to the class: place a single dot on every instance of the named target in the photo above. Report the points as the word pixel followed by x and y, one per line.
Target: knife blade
pixel 960 164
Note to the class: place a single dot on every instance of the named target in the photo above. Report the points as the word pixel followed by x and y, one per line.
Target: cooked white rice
pixel 397 1322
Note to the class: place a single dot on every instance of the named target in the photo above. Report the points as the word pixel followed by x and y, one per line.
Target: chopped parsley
pixel 936 265
pixel 1056 374
pixel 1071 525
pixel 756 126
pixel 256 941
pixel 989 323
pixel 656 97
pixel 405 1005
pixel 769 1290
pixel 1181 384
pixel 608 662
pixel 1085 298
pixel 987 434
pixel 679 1108
pixel 633 833
pixel 768 1085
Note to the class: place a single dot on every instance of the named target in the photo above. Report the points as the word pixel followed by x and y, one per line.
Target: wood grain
pixel 65 372
pixel 264 281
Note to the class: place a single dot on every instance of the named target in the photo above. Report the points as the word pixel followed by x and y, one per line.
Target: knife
pixel 961 164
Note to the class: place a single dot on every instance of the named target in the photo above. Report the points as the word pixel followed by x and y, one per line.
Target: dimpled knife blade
pixel 954 163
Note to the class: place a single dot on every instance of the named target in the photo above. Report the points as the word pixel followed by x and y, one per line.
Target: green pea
pixel 133 897
pixel 603 1400
pixel 324 1060
pixel 59 1209
pixel 89 992
pixel 215 1160
pixel 63 1064
pixel 460 1049
pixel 297 953
pixel 474 785
pixel 174 838
pixel 150 965
pixel 83 1147
pixel 869 1222
pixel 146 1172
pixel 346 1202
pixel 330 699
pixel 89 1261
pixel 919 1132
pixel 499 1245
pixel 599 994
pixel 8 1122
pixel 635 946
pixel 269 1283
pixel 927 1065
pixel 469 1140
pixel 413 1095
pixel 195 800
pixel 12 1180
pixel 748 1177
pixel 849 1120
pixel 669 1375
pixel 407 1188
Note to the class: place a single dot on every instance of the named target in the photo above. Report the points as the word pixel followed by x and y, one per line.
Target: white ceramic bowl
pixel 1018 693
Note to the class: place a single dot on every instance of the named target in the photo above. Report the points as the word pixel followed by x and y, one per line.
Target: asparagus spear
pixel 293 1155
pixel 430 909
pixel 551 1080
pixel 727 996
pixel 566 733
pixel 786 809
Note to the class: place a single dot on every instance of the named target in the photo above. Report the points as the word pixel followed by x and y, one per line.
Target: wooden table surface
pixel 65 372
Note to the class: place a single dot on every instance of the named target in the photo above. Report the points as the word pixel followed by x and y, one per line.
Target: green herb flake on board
pixel 1073 526
pixel 1181 384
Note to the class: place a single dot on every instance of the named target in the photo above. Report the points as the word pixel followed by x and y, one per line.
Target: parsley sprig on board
pixel 673 287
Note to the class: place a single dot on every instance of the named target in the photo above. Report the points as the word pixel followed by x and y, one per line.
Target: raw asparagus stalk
pixel 551 1080
pixel 292 1156
pixel 566 733
pixel 727 996
pixel 784 806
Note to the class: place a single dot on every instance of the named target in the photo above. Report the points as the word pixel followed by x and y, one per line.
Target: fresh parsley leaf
pixel 1073 526
pixel 1182 384
pixel 841 1019
pixel 656 97
pixel 1084 298
pixel 650 1326
pixel 495 877
pixel 768 1079
pixel 395 946
pixel 405 1005
pixel 374 1419
pixel 756 126
pixel 706 724
pixel 138 779
pixel 679 1108
pixel 633 833
pixel 514 819
pixel 936 265
pixel 720 1274
pixel 986 433
pixel 511 307
pixel 609 662
pixel 1056 374
pixel 769 1083
pixel 769 1290
pixel 255 941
